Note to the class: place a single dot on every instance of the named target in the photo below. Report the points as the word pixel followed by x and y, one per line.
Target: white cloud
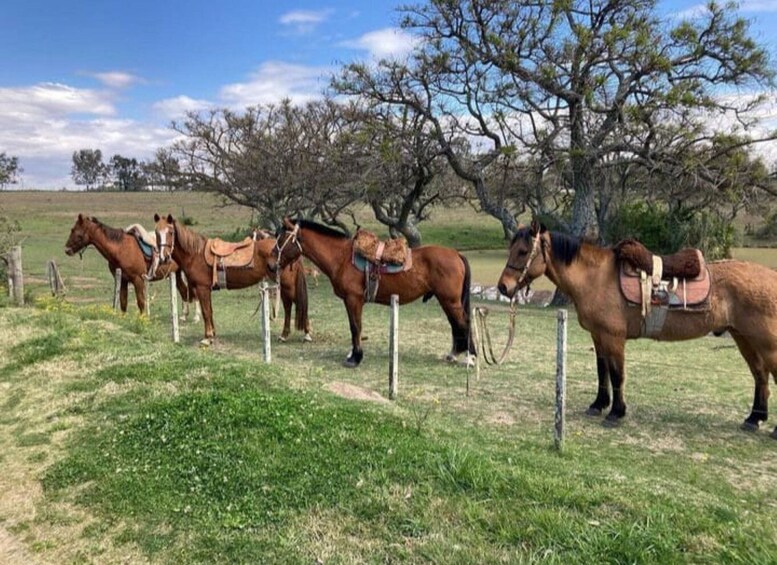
pixel 116 79
pixel 384 43
pixel 276 80
pixel 304 21
pixel 44 124
pixel 177 107
pixel 750 7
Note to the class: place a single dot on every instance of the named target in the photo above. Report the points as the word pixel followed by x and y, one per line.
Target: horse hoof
pixel 307 338
pixel 450 358
pixel 207 342
pixel 612 421
pixel 350 364
pixel 749 427
pixel 773 435
pixel 593 411
pixel 282 338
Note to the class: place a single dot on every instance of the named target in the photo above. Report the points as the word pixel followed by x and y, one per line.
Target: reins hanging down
pixel 485 346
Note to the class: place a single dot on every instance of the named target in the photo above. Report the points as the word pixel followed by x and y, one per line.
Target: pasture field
pixel 117 446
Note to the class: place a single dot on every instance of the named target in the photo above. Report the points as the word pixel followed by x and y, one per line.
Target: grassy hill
pixel 118 446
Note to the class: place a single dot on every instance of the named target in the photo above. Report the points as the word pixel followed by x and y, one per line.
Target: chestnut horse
pixel 186 247
pixel 438 272
pixel 742 300
pixel 122 252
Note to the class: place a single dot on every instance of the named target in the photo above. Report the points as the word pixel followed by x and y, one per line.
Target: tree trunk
pixel 410 233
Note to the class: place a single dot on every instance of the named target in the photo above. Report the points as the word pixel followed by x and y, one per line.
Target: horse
pixel 742 301
pixel 436 271
pixel 122 252
pixel 186 247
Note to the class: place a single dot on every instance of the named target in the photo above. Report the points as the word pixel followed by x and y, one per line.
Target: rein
pixel 535 249
pixel 481 329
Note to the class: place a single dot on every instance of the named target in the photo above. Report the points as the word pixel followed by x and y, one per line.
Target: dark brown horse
pixel 122 252
pixel 186 247
pixel 742 300
pixel 438 272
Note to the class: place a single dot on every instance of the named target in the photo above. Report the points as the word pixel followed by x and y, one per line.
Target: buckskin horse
pixel 123 252
pixel 187 248
pixel 436 271
pixel 742 299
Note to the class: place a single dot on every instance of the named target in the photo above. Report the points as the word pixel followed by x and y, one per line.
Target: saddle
pixel 375 258
pixel 146 241
pixel 674 281
pixel 221 255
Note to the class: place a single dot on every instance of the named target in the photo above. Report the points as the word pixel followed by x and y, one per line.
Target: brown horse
pixel 438 272
pixel 742 300
pixel 122 252
pixel 186 247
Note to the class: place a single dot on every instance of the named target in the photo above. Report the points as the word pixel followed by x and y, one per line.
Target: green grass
pixel 119 446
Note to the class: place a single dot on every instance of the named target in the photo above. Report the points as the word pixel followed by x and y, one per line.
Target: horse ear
pixel 287 223
pixel 156 218
pixel 80 218
pixel 170 219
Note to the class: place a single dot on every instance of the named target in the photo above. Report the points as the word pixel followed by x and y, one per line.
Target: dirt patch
pixel 11 551
pixel 354 392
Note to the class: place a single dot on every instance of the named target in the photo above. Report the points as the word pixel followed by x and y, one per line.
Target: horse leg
pixel 602 399
pixel 140 294
pixel 123 291
pixel 758 369
pixel 287 306
pixel 613 349
pixel 354 304
pixel 460 331
pixel 203 293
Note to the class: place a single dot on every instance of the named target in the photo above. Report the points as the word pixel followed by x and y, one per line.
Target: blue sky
pixel 112 74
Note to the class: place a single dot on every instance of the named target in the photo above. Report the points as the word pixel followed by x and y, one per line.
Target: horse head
pixel 287 244
pixel 526 260
pixel 79 236
pixel 165 237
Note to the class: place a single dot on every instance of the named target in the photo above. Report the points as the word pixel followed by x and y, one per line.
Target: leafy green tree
pixel 575 88
pixel 88 168
pixel 127 173
pixel 9 170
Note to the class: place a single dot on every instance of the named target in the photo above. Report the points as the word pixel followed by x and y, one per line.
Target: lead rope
pixel 485 345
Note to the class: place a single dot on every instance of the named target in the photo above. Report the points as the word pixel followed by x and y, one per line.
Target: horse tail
pixel 301 312
pixel 465 302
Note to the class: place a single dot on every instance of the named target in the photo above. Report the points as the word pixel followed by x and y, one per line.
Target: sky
pixel 113 74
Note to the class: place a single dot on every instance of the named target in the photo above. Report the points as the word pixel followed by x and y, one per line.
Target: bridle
pixel 292 236
pixel 524 271
pixel 161 245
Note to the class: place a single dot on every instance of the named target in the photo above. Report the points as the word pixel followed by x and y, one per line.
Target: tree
pixel 127 173
pixel 278 159
pixel 164 172
pixel 9 170
pixel 574 87
pixel 401 168
pixel 88 168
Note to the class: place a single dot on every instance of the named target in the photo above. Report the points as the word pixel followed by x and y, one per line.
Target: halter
pixel 535 249
pixel 293 237
pixel 171 245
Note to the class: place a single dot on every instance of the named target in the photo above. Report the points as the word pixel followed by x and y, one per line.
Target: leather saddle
pixel 375 258
pixel 680 280
pixel 221 255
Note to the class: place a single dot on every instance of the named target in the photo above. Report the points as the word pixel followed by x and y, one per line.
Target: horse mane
pixel 114 234
pixel 189 240
pixel 566 247
pixel 322 229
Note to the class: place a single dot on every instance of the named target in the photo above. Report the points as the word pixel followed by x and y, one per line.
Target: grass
pixel 119 446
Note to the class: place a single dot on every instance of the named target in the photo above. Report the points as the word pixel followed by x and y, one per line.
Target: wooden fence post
pixel 17 277
pixel 174 308
pixel 393 347
pixel 266 346
pixel 55 279
pixel 561 378
pixel 116 288
pixel 147 297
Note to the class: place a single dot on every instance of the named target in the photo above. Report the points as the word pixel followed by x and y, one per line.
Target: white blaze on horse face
pixel 162 243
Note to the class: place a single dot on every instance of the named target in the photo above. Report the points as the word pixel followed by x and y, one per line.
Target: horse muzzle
pixel 69 251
